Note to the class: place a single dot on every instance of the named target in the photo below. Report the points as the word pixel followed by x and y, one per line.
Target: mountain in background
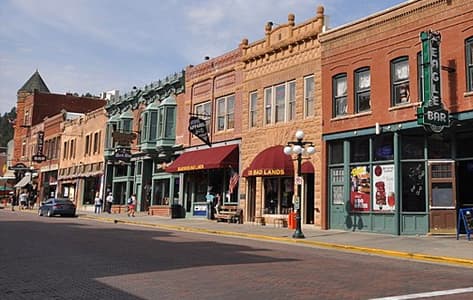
pixel 6 127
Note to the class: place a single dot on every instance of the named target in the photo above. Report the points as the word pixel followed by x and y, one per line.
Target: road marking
pixel 428 294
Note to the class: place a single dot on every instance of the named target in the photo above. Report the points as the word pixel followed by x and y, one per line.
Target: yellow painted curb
pixel 342 247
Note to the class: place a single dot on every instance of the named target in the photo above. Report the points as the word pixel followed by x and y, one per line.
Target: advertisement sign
pixel 360 189
pixel 198 127
pixel 383 188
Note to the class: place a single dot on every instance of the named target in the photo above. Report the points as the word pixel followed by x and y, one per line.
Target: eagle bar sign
pixel 432 113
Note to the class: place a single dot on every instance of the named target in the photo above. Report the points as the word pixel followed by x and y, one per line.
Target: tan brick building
pixel 385 171
pixel 281 93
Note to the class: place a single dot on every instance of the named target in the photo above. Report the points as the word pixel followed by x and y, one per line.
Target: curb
pixel 325 245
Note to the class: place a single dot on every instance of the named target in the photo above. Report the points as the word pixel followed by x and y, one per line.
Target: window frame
pixel 362 91
pixel 200 109
pixel 225 112
pixel 469 63
pixel 339 98
pixel 276 111
pixel 309 96
pixel 399 83
pixel 253 110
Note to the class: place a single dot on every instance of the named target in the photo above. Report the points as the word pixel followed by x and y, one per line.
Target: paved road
pixel 71 258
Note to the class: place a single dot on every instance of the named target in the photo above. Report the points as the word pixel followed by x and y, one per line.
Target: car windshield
pixel 63 201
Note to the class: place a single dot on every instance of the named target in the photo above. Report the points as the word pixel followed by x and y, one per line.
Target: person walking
pixel 98 203
pixel 12 201
pixel 132 205
pixel 210 201
pixel 109 201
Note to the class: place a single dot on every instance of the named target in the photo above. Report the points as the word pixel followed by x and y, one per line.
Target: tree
pixel 6 127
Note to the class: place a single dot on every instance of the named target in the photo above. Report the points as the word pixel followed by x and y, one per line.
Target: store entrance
pixel 442 196
pixel 464 183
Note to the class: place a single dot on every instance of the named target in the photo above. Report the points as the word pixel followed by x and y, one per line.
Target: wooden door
pixel 442 197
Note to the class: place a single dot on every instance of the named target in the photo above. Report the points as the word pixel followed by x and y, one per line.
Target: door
pixel 442 197
pixel 339 205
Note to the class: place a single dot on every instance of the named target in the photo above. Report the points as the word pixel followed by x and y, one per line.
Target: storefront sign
pixel 123 138
pixel 198 127
pixel 191 168
pixel 122 154
pixel 383 192
pixel 431 114
pixel 360 189
pixel 266 172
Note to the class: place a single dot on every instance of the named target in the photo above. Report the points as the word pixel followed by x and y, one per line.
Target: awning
pixel 271 162
pixel 307 168
pixel 212 158
pixel 24 181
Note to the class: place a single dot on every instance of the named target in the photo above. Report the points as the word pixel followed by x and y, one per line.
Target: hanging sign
pixel 198 127
pixel 432 114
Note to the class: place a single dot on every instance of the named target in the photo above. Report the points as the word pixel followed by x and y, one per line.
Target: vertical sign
pixel 198 127
pixel 432 113
pixel 39 156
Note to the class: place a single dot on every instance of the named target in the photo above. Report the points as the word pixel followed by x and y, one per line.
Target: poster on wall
pixel 383 188
pixel 360 188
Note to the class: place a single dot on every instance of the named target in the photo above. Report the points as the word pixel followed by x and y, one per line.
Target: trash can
pixel 176 211
pixel 291 222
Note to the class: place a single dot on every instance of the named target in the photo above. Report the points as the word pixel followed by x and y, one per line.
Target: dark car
pixel 57 206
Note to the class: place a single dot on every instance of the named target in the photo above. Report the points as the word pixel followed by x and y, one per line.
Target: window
pixel 253 103
pixel 278 194
pixel 96 142
pixel 283 99
pixel 170 122
pixel 400 81
pixel 203 111
pixel 340 95
pixel 87 145
pixel 225 113
pixel 469 63
pixel 64 156
pixel 153 123
pixel 309 92
pixel 362 90
pixel 26 119
pixel 72 149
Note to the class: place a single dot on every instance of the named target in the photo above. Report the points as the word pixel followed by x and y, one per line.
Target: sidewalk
pixel 443 249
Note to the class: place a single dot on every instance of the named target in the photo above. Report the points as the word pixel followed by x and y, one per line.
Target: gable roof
pixel 35 83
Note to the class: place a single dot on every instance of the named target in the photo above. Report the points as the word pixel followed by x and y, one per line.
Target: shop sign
pixel 432 114
pixel 266 172
pixel 38 158
pixel 123 138
pixel 18 167
pixel 198 127
pixel 122 154
pixel 191 168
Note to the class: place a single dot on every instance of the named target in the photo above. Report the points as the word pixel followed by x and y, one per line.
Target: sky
pixel 92 46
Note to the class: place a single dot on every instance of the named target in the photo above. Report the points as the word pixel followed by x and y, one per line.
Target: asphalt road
pixel 72 258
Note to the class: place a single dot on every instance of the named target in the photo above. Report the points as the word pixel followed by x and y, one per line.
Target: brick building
pixel 214 98
pixel 281 93
pixel 389 169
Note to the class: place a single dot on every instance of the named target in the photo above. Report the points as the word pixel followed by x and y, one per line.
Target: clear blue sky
pixel 99 45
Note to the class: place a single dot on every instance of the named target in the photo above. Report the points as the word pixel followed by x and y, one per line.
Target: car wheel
pixel 40 213
pixel 50 213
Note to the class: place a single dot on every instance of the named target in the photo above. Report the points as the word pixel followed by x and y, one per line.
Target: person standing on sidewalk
pixel 98 203
pixel 132 206
pixel 210 203
pixel 109 201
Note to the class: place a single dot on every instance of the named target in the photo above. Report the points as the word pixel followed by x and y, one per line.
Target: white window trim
pixel 250 109
pixel 306 97
pixel 225 113
pixel 287 116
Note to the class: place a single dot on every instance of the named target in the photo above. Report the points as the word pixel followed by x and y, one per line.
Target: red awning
pixel 307 168
pixel 271 162
pixel 211 158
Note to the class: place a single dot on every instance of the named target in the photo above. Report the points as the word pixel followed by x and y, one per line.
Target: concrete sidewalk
pixel 442 249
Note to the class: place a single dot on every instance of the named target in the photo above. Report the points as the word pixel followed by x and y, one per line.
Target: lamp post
pixel 299 148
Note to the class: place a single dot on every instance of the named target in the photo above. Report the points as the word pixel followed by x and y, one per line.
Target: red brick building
pixel 385 171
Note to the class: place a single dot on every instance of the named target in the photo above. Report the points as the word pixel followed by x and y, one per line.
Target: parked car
pixel 57 206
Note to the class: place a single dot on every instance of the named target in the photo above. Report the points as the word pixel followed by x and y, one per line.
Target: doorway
pixel 442 197
pixel 309 199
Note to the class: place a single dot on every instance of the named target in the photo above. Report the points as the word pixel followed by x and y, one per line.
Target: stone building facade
pixel 281 93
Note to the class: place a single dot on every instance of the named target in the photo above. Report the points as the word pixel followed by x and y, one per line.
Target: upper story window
pixel 309 95
pixel 87 145
pixel 339 95
pixel 400 93
pixel 203 111
pixel 469 63
pixel 280 103
pixel 362 90
pixel 253 109
pixel 225 113
pixel 96 142
pixel 65 151
pixel 26 119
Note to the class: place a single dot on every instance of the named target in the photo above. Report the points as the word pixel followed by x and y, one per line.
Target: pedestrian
pixel 23 200
pixel 12 201
pixel 109 200
pixel 132 205
pixel 218 201
pixel 210 201
pixel 98 203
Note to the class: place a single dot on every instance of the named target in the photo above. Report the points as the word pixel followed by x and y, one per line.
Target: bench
pixel 229 213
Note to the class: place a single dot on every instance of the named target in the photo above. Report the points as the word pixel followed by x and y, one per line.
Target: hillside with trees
pixel 6 127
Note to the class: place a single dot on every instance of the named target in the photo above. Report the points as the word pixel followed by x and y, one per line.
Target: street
pixel 74 258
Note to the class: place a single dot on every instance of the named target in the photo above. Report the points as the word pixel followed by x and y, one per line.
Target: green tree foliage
pixel 6 127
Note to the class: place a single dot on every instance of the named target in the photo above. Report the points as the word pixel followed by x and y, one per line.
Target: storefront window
pixel 278 193
pixel 161 192
pixel 120 170
pixel 360 150
pixel 360 194
pixel 336 152
pixel 412 147
pixel 119 193
pixel 464 150
pixel 413 187
pixel 438 147
pixel 383 148
pixel 337 176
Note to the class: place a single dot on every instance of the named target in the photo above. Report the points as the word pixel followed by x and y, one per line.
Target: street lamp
pixel 299 148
